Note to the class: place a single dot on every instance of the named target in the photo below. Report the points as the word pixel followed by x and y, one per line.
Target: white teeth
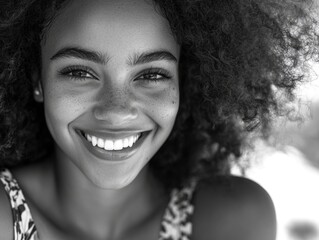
pixel 111 145
pixel 131 141
pixel 108 145
pixel 88 137
pixel 125 144
pixel 100 143
pixel 118 145
pixel 94 141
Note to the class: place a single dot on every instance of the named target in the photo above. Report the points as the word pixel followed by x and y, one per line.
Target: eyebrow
pixel 97 57
pixel 150 57
pixel 81 53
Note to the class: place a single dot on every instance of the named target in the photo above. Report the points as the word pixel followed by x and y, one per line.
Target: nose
pixel 115 108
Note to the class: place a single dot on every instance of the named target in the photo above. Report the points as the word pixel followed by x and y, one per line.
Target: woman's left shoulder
pixel 231 207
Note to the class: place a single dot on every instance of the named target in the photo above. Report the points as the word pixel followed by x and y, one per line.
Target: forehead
pixel 109 25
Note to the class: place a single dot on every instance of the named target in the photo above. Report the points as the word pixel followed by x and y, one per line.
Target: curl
pixel 234 53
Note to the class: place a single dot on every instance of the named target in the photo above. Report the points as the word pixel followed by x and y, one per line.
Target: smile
pixel 112 145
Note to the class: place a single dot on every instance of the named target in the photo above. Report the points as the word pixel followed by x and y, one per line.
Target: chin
pixel 113 182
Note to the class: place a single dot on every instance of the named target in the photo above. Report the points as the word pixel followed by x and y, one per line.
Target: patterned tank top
pixel 176 222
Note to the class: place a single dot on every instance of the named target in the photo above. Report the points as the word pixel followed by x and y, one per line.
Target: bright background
pixel 289 170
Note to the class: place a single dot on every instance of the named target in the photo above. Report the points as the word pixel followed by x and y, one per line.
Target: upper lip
pixel 107 134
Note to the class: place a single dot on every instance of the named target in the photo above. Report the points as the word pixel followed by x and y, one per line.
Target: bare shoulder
pixel 28 180
pixel 6 223
pixel 229 207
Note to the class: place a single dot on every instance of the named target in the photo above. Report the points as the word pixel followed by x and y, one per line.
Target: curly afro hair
pixel 234 53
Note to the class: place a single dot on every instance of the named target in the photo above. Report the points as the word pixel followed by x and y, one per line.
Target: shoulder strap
pixel 23 224
pixel 177 220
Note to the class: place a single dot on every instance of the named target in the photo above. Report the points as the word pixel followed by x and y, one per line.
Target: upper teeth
pixel 108 144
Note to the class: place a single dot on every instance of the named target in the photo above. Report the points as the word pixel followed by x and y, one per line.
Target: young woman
pixel 118 118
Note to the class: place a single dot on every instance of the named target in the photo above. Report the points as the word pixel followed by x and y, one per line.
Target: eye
pixel 78 73
pixel 154 75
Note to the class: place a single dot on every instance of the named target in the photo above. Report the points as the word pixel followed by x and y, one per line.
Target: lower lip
pixel 113 156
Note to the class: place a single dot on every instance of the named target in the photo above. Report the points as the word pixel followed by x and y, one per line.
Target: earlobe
pixel 37 93
pixel 37 88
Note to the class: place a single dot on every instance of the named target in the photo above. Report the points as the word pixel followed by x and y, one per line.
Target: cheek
pixel 62 105
pixel 163 105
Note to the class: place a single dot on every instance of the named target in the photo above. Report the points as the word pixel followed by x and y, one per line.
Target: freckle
pixel 173 102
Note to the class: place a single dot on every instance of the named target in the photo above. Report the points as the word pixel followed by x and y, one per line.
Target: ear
pixel 37 87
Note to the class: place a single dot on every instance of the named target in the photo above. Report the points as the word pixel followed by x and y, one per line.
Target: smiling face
pixel 110 86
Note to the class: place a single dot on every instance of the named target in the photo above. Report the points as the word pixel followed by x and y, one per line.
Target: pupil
pixel 79 73
pixel 151 76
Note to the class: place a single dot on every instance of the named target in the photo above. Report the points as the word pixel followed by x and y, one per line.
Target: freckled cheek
pixel 163 106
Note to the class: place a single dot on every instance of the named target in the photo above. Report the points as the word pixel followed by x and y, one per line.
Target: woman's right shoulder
pixel 6 222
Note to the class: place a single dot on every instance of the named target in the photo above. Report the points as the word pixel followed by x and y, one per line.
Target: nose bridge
pixel 114 105
pixel 113 96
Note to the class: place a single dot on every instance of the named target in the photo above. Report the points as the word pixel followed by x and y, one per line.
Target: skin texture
pixel 232 60
pixel 113 97
pixel 230 208
pixel 77 195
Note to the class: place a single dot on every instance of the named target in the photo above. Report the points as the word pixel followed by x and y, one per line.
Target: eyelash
pixel 164 75
pixel 72 69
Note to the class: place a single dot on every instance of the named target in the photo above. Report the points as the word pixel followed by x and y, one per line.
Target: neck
pixel 104 212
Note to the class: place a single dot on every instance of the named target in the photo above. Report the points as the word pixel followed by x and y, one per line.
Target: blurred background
pixel 288 168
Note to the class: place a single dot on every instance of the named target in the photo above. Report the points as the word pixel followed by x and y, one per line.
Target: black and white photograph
pixel 159 119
